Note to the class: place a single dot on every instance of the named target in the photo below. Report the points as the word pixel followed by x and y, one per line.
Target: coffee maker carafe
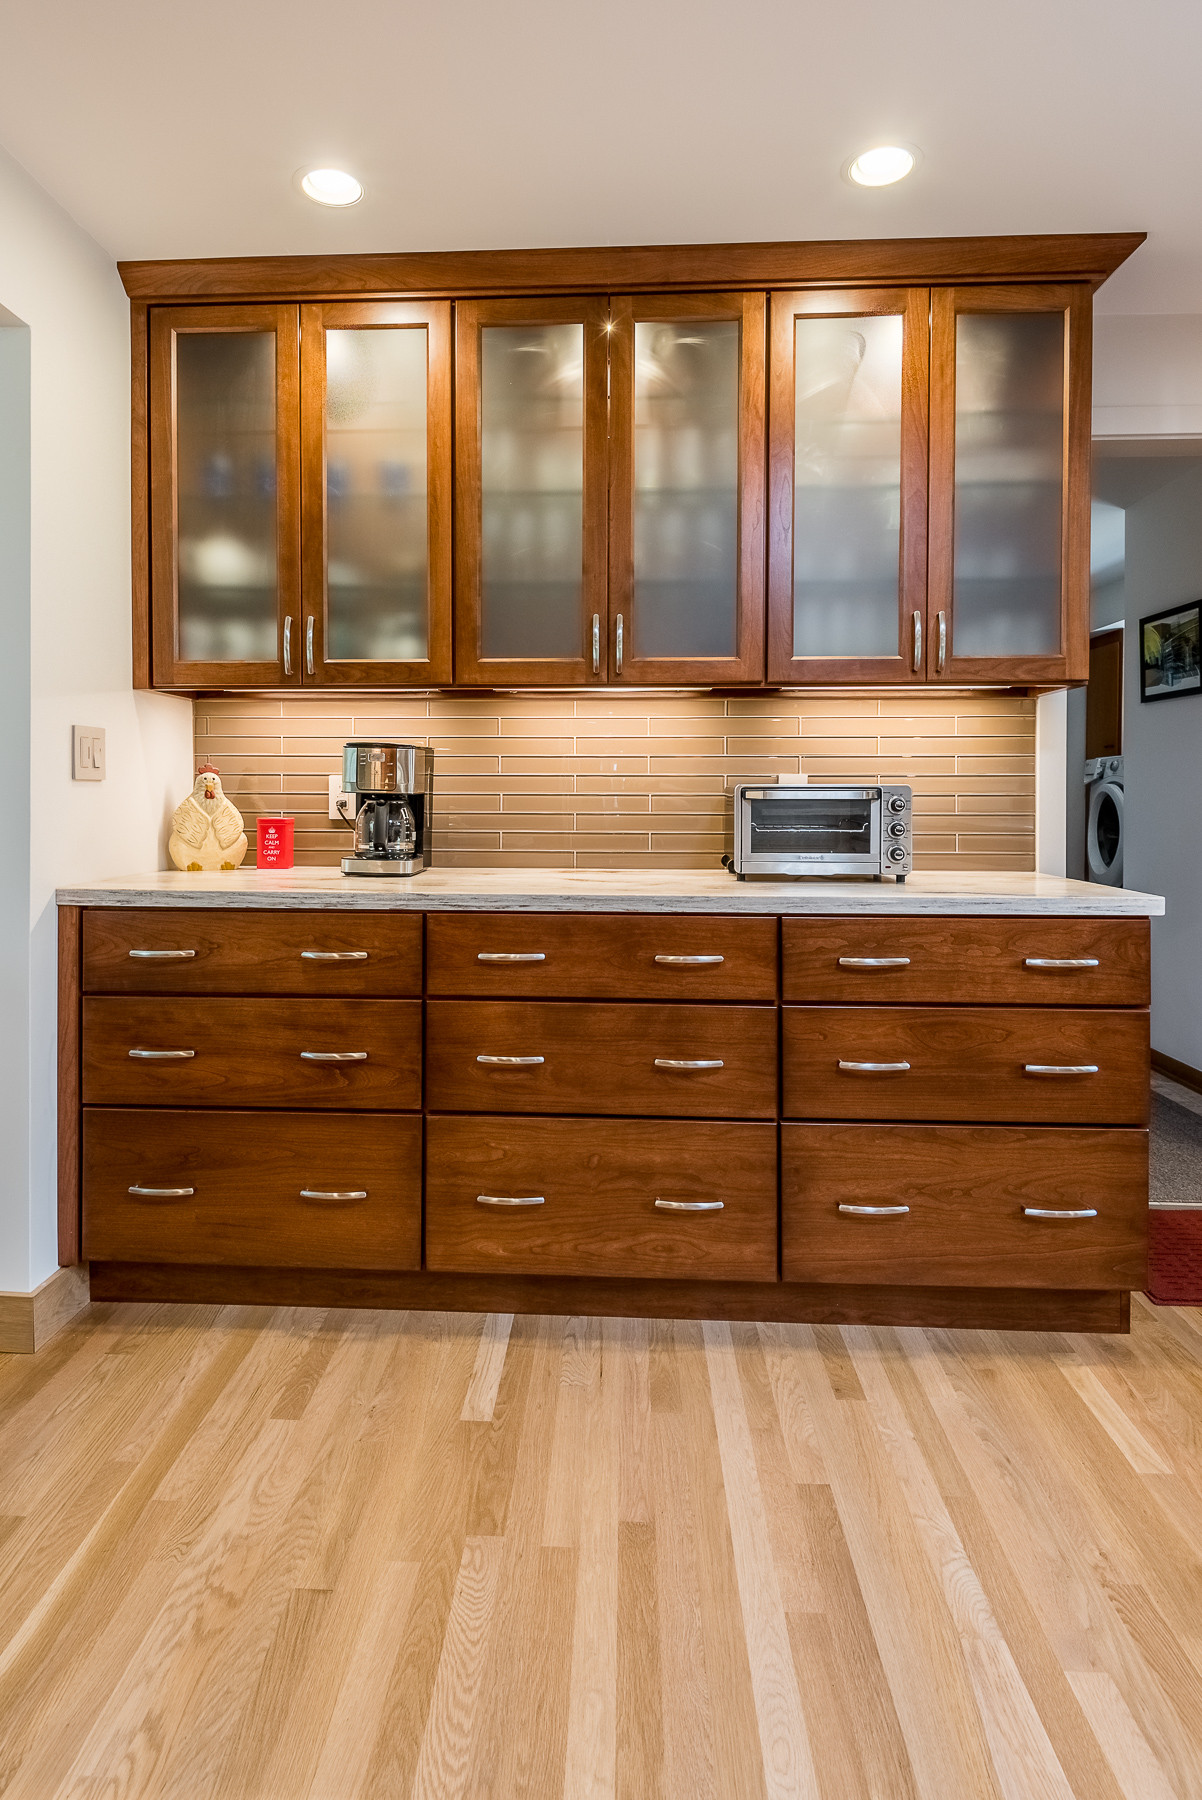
pixel 392 787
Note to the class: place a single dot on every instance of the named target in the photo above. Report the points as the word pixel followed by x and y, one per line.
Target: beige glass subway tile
pixel 922 725
pixel 907 749
pixel 934 843
pixel 547 731
pixel 711 842
pixel 551 706
pixel 586 765
pixel 831 725
pixel 502 859
pixel 462 727
pixel 609 841
pixel 903 768
pixel 772 725
pixel 647 859
pixel 687 784
pixel 752 767
pixel 678 729
pixel 466 840
pixel 249 706
pixel 692 747
pixel 444 745
pixel 973 766
pixel 1023 746
pixel 264 747
pixel 527 822
pixel 619 805
pixel 627 722
pixel 450 766
pixel 996 804
pixel 454 820
pixel 709 805
pixel 977 781
pixel 1007 725
pixel 494 784
pixel 806 747
pixel 807 706
pixel 389 706
pixel 566 749
pixel 599 706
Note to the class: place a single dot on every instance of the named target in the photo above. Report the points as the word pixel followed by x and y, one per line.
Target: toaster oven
pixel 813 829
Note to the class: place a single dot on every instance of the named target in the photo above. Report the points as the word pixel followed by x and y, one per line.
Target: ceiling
pixel 172 130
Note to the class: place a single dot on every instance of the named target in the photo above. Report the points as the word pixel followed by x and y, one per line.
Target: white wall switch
pixel 87 752
pixel 339 800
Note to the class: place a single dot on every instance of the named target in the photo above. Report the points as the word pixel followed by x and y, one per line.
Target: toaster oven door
pixel 799 831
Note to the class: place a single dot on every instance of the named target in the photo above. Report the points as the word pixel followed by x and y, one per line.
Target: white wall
pixel 64 659
pixel 1147 375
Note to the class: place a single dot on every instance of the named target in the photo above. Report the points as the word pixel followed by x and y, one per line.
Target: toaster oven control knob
pixel 898 828
pixel 896 853
pixel 898 803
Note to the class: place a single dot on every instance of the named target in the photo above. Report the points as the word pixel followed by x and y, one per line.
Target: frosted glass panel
pixel 686 489
pixel 532 490
pixel 1009 461
pixel 376 517
pixel 225 497
pixel 847 486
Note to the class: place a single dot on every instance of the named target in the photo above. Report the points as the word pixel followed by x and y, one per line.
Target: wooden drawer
pixel 966 1189
pixel 253 1053
pixel 278 1190
pixel 621 957
pixel 601 1059
pixel 597 1185
pixel 966 1062
pixel 145 951
pixel 1020 962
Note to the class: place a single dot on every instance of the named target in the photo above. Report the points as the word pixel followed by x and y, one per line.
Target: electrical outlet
pixel 87 752
pixel 339 799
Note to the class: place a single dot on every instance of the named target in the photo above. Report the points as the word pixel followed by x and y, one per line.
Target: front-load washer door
pixel 1104 834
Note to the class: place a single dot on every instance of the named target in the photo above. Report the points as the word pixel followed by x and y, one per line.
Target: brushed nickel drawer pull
pixel 162 955
pixel 334 955
pixel 874 962
pixel 690 1205
pixel 512 1062
pixel 148 1193
pixel 596 643
pixel 1063 1212
pixel 163 1055
pixel 875 1212
pixel 333 1193
pixel 333 1056
pixel 864 1068
pixel 677 961
pixel 511 956
pixel 511 1200
pixel 1060 1068
pixel 1060 962
pixel 689 1062
pixel 916 662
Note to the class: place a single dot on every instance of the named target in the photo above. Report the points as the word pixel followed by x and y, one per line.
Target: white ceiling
pixel 173 130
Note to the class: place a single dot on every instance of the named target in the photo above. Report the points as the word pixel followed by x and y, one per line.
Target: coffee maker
pixel 391 786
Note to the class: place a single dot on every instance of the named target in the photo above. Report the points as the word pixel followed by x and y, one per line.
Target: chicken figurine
pixel 206 828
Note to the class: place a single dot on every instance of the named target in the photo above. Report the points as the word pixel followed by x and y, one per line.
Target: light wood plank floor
pixel 290 1554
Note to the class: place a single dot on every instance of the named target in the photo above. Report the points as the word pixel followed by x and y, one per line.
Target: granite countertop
pixel 606 890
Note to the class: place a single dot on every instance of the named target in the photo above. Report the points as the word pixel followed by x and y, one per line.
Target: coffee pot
pixel 391 785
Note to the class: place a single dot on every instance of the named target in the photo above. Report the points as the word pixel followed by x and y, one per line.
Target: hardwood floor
pixel 286 1554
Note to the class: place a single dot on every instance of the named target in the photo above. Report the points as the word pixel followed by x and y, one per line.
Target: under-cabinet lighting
pixel 331 187
pixel 879 167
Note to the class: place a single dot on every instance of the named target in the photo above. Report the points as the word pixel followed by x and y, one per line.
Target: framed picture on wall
pixel 1169 662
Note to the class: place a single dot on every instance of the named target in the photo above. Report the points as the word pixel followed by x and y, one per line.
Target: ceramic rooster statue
pixel 206 828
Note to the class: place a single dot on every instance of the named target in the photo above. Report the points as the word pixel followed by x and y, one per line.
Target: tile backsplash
pixel 602 781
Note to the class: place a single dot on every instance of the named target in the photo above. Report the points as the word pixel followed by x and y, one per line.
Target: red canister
pixel 275 843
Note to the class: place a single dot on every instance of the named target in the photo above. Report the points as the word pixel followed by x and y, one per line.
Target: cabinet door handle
pixel 680 961
pixel 149 1193
pixel 596 643
pixel 863 1068
pixel 333 1193
pixel 1060 962
pixel 310 622
pixel 941 652
pixel 1061 1212
pixel 334 955
pixel 689 1062
pixel 874 962
pixel 162 955
pixel 512 1062
pixel 288 644
pixel 917 661
pixel 1060 1068
pixel 333 1056
pixel 873 1212
pixel 511 956
pixel 618 636
pixel 511 1200
pixel 163 1055
pixel 690 1205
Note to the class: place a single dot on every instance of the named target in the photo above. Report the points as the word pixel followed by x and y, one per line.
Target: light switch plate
pixel 337 794
pixel 87 752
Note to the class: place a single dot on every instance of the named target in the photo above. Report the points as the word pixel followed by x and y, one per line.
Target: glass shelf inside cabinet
pixel 377 566
pixel 226 496
pixel 847 485
pixel 1009 470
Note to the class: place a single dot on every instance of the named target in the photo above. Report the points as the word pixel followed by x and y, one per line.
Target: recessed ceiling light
pixel 877 168
pixel 331 187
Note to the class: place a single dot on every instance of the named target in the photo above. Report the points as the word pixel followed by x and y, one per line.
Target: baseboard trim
pixel 27 1321
pixel 1183 1072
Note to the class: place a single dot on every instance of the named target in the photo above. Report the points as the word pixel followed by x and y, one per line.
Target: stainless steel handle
pixel 596 643
pixel 1060 1068
pixel 874 962
pixel 333 1193
pixel 1064 1212
pixel 511 956
pixel 875 1212
pixel 861 1068
pixel 163 1055
pixel 512 1062
pixel 677 960
pixel 309 624
pixel 618 647
pixel 333 1056
pixel 334 955
pixel 689 1062
pixel 163 955
pixel 690 1205
pixel 1060 962
pixel 288 644
pixel 511 1200
pixel 145 1193
pixel 941 653
pixel 917 641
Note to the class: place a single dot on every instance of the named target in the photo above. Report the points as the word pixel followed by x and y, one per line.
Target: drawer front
pixel 592 1058
pixel 966 1062
pixel 276 1190
pixel 591 1190
pixel 151 950
pixel 1020 962
pixel 252 1053
pixel 966 1191
pixel 627 957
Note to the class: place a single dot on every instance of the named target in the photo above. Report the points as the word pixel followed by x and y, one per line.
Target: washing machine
pixel 1104 820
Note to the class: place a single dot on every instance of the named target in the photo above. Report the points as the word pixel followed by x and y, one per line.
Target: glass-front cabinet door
pixel 225 496
pixel 376 493
pixel 1010 426
pixel 686 508
pixel 847 502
